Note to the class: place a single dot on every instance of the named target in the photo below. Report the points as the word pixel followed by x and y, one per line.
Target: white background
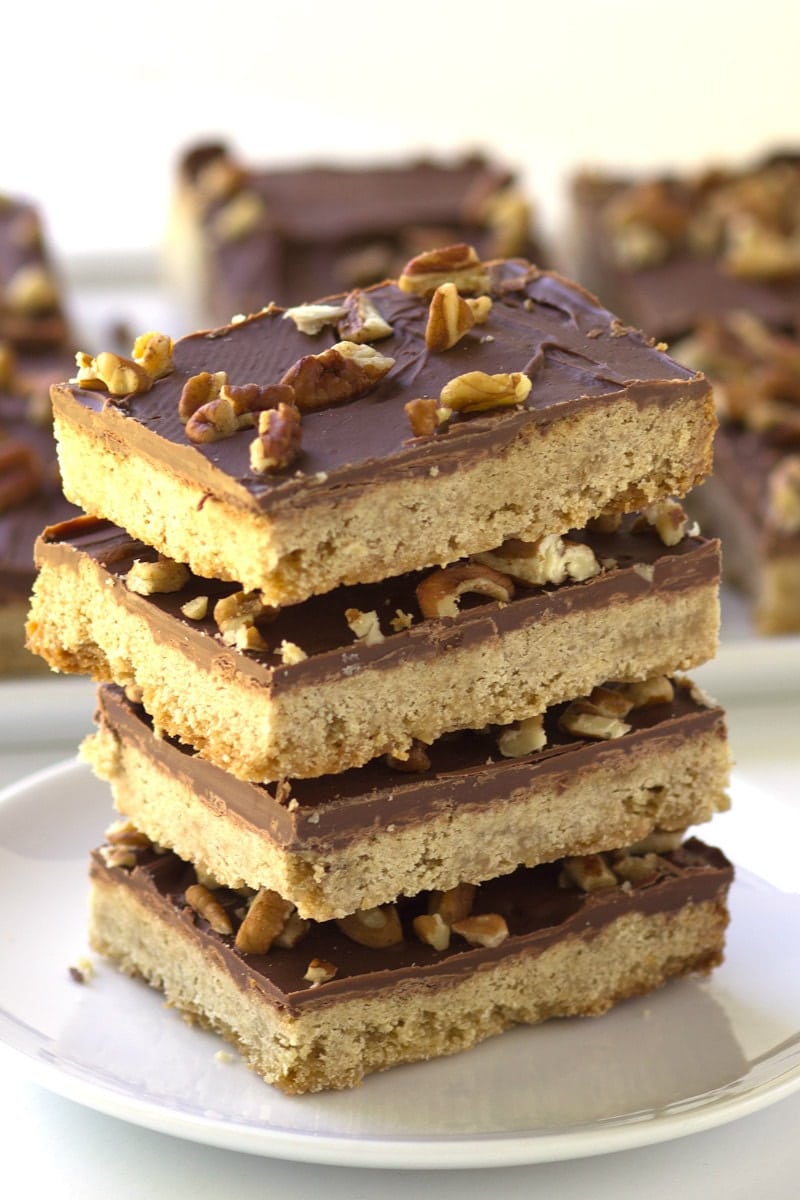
pixel 99 98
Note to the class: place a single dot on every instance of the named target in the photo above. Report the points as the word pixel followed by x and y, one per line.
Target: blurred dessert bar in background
pixel 711 263
pixel 243 235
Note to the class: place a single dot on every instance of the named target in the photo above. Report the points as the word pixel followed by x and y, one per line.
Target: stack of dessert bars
pixel 388 597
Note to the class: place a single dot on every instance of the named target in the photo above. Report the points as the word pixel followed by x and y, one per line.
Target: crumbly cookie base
pixel 610 805
pixel 617 456
pixel 335 1045
pixel 329 725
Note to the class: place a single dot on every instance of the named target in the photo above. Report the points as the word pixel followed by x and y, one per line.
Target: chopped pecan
pixel 153 352
pixel 21 473
pixel 449 318
pixel 438 593
pixel 237 614
pixel 589 872
pixel 423 416
pixel 212 421
pixel 343 372
pixel 150 578
pixel 293 932
pixel 611 702
pixel 118 376
pixel 373 927
pixel 658 841
pixel 319 970
pixel 633 868
pixel 312 318
pixel 196 608
pixel 581 718
pixel 198 390
pixel 476 391
pixel 549 559
pixel 458 264
pixel 523 738
pixel 669 520
pixel 361 321
pixel 291 653
pixel 266 916
pixel 657 690
pixel 454 903
pixel 280 436
pixel 365 625
pixel 482 929
pixel 207 906
pixel 433 930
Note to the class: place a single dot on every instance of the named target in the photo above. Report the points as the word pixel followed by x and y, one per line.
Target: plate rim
pixel 721 1106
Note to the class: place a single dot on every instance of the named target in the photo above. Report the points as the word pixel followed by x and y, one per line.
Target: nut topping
pixel 589 872
pixel 423 416
pixel 199 390
pixel 478 392
pixel 453 904
pixel 549 559
pixel 523 738
pixel 343 372
pixel 416 760
pixel 236 616
pixel 458 264
pixel 312 318
pixel 584 719
pixel 449 318
pixel 431 929
pixel 207 906
pixel 266 917
pixel 118 376
pixel 361 321
pixel 153 352
pixel 280 435
pixel 365 625
pixel 483 929
pixel 438 593
pixel 320 971
pixel 196 608
pixel 152 578
pixel 658 690
pixel 669 519
pixel 373 927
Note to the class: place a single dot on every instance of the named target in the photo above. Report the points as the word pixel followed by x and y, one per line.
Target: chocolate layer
pixel 327 228
pixel 537 910
pixel 40 324
pixel 576 353
pixel 334 809
pixel 636 564
pixel 670 297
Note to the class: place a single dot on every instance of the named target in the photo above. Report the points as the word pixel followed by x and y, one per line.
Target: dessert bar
pixel 474 805
pixel 32 310
pixel 752 500
pixel 241 236
pixel 313 1006
pixel 521 410
pixel 667 251
pixel 363 671
pixel 30 491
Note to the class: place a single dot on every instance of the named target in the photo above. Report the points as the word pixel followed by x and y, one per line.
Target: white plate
pixel 694 1055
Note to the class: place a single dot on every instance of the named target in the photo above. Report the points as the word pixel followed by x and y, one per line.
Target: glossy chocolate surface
pixel 336 809
pixel 577 354
pixel 638 565
pixel 537 911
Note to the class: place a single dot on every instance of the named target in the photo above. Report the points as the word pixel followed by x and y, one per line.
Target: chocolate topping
pixel 336 809
pixel 326 228
pixel 537 911
pixel 636 564
pixel 576 353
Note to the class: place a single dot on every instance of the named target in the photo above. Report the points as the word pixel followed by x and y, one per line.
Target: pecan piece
pixel 365 625
pixel 657 690
pixel 549 559
pixel 583 719
pixel 483 929
pixel 523 738
pixel 280 435
pixel 266 917
pixel 118 376
pixel 361 322
pixel 669 519
pixel 416 760
pixel 207 906
pixel 438 593
pixel 476 391
pixel 453 904
pixel 589 872
pixel 374 927
pixel 458 264
pixel 198 390
pixel 449 318
pixel 153 352
pixel 152 578
pixel 433 930
pixel 319 970
pixel 343 372
pixel 312 318
pixel 423 416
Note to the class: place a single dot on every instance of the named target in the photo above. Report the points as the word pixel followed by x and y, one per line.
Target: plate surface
pixel 696 1054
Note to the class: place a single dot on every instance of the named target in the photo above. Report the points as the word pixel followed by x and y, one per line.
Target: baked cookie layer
pixel 610 423
pixel 329 1010
pixel 242 234
pixel 320 698
pixel 467 813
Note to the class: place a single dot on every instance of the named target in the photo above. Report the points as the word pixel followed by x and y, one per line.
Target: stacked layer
pixel 34 352
pixel 387 707
pixel 714 260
